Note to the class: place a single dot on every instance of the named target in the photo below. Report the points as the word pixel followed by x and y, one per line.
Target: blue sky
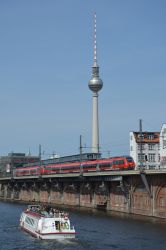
pixel 46 54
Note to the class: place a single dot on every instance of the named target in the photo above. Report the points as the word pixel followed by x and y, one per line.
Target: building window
pixel 131 148
pixel 158 157
pixel 141 146
pixel 150 136
pixel 141 157
pixel 151 157
pixel 151 146
pixel 164 143
pixel 140 136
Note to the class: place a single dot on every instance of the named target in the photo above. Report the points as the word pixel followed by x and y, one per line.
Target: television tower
pixel 95 84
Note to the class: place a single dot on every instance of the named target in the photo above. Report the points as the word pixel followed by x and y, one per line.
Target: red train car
pixel 27 171
pixel 105 164
pixel 114 163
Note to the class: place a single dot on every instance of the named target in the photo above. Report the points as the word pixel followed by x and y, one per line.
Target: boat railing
pixel 48 213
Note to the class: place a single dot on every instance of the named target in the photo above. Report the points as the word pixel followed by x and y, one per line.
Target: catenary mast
pixel 95 84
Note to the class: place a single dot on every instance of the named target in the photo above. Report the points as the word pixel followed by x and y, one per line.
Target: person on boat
pixel 56 213
pixel 51 214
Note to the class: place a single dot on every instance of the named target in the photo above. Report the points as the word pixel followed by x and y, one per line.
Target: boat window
pixel 29 221
pixel 57 225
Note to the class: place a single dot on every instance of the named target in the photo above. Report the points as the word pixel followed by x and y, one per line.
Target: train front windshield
pixel 129 159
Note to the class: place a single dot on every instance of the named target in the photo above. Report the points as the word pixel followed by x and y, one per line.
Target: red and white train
pixel 105 164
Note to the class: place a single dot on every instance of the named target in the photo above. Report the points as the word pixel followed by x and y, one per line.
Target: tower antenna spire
pixel 95 41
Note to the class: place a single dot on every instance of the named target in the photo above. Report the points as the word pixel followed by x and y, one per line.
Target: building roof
pixel 147 137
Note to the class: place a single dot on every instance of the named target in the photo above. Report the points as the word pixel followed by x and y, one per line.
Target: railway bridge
pixel 129 191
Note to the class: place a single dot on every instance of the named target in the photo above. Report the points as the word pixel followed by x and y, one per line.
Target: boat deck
pixel 45 211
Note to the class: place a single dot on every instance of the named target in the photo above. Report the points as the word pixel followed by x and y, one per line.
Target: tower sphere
pixel 95 84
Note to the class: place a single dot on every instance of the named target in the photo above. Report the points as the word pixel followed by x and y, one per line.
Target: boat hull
pixel 49 236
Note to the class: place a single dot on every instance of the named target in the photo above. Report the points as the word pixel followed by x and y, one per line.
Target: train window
pixel 66 167
pixel 70 167
pixel 48 168
pixel 104 165
pixel 118 162
pixel 90 156
pixel 108 165
pixel 129 159
pixel 101 165
pixel 90 166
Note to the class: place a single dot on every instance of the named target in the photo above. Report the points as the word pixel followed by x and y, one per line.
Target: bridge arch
pixel 160 200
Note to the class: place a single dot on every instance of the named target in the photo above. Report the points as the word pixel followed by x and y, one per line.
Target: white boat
pixel 46 223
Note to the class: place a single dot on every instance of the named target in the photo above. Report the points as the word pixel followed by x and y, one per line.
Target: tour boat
pixel 46 223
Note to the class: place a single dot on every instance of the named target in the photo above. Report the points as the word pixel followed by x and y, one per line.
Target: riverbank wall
pixel 129 194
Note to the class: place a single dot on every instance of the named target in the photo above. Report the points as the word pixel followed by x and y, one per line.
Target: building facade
pixel 145 149
pixel 14 160
pixel 163 146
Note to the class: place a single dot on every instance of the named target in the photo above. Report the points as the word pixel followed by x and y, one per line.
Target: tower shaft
pixel 95 124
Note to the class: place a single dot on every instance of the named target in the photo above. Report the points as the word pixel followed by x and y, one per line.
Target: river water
pixel 95 230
